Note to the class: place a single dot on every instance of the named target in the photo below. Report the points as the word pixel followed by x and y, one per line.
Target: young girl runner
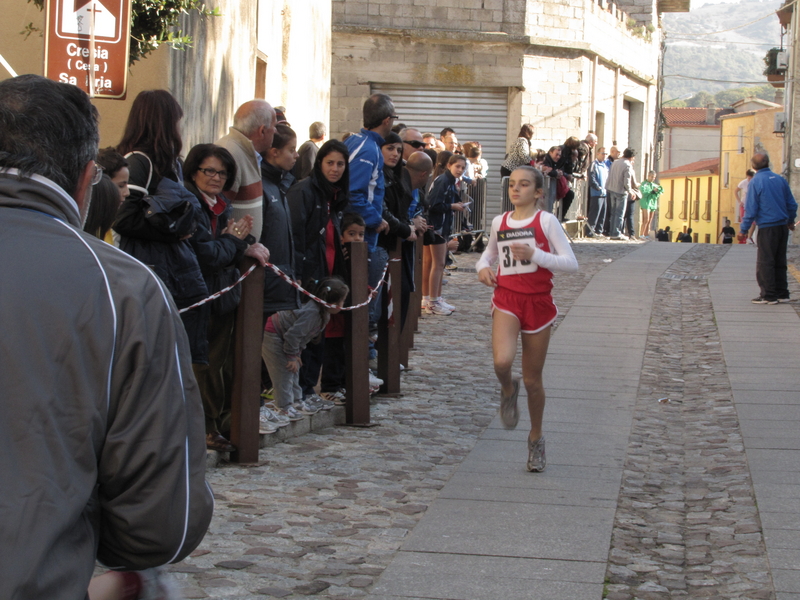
pixel 531 244
pixel 287 333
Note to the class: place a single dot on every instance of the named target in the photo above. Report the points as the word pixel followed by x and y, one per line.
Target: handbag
pixel 562 187
pixel 170 210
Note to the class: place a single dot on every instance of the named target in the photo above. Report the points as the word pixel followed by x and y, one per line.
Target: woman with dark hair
pixel 103 209
pixel 219 244
pixel 153 129
pixel 396 201
pixel 156 220
pixel 316 205
pixel 116 167
pixel 520 152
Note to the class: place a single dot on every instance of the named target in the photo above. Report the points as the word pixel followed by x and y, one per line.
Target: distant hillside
pixel 735 55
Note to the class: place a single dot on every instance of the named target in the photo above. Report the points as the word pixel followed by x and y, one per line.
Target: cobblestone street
pixel 327 513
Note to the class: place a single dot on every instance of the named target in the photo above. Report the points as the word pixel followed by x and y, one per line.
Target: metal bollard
pixel 247 366
pixel 357 339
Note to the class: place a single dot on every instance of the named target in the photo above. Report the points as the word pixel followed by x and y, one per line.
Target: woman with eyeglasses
pixel 219 243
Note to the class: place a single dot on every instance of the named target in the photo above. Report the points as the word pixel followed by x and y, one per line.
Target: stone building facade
pixel 565 66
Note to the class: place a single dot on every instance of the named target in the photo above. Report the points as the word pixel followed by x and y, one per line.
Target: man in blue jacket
pixel 367 187
pixel 772 207
pixel 598 174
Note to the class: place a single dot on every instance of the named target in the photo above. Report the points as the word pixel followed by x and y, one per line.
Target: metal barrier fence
pixel 475 217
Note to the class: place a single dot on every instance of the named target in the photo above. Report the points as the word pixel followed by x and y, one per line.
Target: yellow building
pixel 691 200
pixel 743 133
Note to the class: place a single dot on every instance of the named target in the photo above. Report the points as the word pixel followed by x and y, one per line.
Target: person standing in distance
pixel 101 420
pixel 770 205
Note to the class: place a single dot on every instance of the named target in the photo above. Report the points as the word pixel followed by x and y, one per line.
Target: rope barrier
pixel 294 284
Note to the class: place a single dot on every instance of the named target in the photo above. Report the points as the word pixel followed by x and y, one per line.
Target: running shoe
pixel 265 426
pixel 536 456
pixel 273 417
pixel 291 413
pixel 338 397
pixel 305 408
pixel 318 401
pixel 436 308
pixel 447 305
pixel 762 300
pixel 509 412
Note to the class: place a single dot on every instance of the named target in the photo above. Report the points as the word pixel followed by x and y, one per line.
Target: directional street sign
pixel 86 44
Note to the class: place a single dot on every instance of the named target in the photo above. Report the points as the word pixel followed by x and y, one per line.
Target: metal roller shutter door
pixel 476 114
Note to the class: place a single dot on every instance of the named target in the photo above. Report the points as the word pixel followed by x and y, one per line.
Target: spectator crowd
pixel 257 192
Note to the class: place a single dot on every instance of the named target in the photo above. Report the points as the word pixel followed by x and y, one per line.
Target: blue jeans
pixel 617 212
pixel 597 214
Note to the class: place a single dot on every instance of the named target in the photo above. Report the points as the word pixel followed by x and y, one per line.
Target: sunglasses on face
pixel 415 144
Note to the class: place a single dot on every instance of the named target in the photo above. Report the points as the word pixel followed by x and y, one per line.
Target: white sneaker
pixel 291 413
pixel 374 381
pixel 306 408
pixel 274 418
pixel 436 308
pixel 447 305
pixel 265 426
pixel 318 402
pixel 426 307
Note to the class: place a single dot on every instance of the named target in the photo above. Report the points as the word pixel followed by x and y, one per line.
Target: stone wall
pixel 220 72
pixel 459 15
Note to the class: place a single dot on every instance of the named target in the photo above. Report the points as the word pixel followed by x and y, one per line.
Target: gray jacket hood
pixel 38 193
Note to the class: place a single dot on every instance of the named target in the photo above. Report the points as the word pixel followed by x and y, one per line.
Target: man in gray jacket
pixel 620 185
pixel 100 418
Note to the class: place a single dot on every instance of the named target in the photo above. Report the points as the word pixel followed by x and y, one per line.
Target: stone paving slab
pixel 452 576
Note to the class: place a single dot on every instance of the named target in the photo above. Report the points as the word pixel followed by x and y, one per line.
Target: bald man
pixel 251 135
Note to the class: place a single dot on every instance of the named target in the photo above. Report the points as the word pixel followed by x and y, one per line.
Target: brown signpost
pixel 87 43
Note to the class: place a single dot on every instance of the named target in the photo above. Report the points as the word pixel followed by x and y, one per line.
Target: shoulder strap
pixel 146 189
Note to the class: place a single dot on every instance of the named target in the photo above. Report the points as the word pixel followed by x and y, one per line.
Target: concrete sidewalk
pixel 499 532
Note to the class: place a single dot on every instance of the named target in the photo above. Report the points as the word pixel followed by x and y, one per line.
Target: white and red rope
pixel 294 284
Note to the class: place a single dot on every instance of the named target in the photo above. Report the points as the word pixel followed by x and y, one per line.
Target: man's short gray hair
pixel 405 133
pixel 376 109
pixel 317 130
pixel 763 162
pixel 252 115
pixel 47 128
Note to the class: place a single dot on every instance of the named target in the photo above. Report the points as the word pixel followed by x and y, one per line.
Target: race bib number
pixel 508 264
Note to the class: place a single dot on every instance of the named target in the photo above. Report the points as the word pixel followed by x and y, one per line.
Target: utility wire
pixel 763 82
pixel 769 14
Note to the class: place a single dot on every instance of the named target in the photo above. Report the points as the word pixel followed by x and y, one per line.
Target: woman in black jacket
pixel 316 205
pixel 156 220
pixel 219 243
pixel 396 201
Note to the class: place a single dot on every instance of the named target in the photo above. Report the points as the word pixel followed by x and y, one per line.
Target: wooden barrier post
pixel 414 307
pixel 388 345
pixel 357 339
pixel 247 366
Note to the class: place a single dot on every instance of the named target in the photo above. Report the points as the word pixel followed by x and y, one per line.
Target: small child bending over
pixel 531 245
pixel 287 332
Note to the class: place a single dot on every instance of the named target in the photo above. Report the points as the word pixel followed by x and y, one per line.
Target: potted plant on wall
pixel 775 72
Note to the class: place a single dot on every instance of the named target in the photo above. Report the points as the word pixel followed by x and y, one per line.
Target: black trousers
pixel 771 262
